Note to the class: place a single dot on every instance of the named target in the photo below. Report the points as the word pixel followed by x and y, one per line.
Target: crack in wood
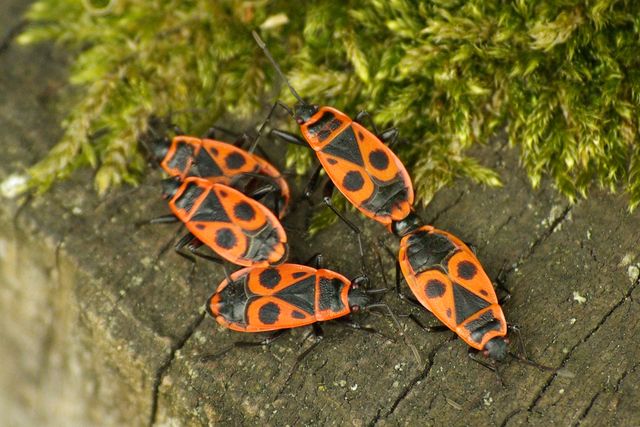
pixel 588 408
pixel 616 387
pixel 556 223
pixel 447 208
pixel 164 367
pixel 549 381
pixel 407 390
pixel 510 416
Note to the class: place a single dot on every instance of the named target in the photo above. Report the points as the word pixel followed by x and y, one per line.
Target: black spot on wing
pixel 270 278
pixel 467 270
pixel 345 146
pixel 235 160
pixel 297 315
pixel 200 226
pixel 225 238
pixel 427 250
pixel 466 303
pixel 269 313
pixel 298 274
pixel 379 159
pixel 434 288
pixel 331 161
pixel 330 290
pixel 353 181
pixel 244 211
pixel 448 313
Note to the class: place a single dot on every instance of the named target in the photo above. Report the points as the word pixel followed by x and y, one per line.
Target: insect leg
pixel 264 124
pixel 312 185
pixel 211 258
pixel 473 355
pixel 211 132
pixel 261 192
pixel 399 292
pixel 318 336
pixel 389 136
pixel 401 295
pixel 503 293
pixel 365 114
pixel 180 245
pixel 328 190
pixel 289 137
pixel 347 323
pixel 238 344
pixel 516 329
pixel 435 328
pixel 164 219
pixel 192 243
pixel 315 261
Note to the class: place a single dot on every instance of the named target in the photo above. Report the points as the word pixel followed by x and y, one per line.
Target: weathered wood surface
pixel 101 323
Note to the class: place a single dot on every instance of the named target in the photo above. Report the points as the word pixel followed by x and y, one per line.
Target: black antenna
pixel 254 144
pixel 263 46
pixel 526 361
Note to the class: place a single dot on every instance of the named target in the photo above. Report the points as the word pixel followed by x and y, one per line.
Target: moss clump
pixel 562 75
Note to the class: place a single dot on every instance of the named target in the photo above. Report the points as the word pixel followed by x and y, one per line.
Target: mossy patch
pixel 562 76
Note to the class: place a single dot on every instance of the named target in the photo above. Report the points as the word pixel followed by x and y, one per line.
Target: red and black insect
pixel 277 299
pixel 236 227
pixel 446 277
pixel 284 297
pixel 224 163
pixel 356 160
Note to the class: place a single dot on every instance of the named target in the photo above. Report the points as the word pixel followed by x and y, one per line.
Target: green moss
pixel 563 76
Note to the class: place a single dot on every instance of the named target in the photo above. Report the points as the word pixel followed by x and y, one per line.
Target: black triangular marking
pixel 345 146
pixel 211 210
pixel 302 294
pixel 466 303
pixel 205 165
